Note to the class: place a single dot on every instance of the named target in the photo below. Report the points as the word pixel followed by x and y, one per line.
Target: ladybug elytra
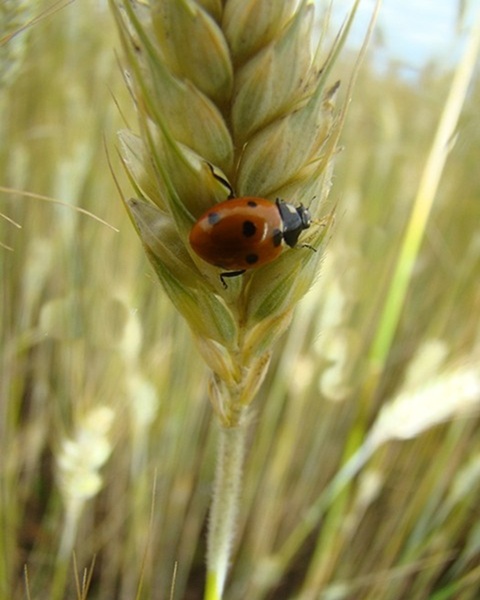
pixel 244 233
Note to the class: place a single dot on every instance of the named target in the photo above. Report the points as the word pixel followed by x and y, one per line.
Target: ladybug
pixel 244 233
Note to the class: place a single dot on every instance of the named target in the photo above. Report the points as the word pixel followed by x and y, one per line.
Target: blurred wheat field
pixel 106 429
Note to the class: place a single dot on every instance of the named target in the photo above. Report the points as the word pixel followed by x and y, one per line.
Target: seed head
pixel 230 97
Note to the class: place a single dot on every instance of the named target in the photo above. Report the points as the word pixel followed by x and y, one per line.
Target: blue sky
pixel 413 31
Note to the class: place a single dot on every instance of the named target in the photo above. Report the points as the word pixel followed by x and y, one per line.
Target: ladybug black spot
pixel 251 259
pixel 249 229
pixel 213 218
pixel 252 203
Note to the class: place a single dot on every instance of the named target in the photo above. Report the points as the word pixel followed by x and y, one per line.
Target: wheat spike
pixel 227 92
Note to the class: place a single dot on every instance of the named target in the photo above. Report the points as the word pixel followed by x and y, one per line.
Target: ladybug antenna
pixel 223 181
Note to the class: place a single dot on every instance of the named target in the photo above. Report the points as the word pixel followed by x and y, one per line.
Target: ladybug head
pixel 295 219
pixel 305 216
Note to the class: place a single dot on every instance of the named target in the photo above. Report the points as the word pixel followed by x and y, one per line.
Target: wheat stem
pixel 224 509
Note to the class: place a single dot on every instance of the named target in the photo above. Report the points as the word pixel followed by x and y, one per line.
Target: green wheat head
pixel 232 91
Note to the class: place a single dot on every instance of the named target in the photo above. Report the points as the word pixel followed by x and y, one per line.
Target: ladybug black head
pixel 305 216
pixel 294 219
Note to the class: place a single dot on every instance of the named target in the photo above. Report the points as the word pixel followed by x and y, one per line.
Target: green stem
pixel 422 207
pixel 224 509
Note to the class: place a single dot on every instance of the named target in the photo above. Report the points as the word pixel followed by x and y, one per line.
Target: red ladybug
pixel 244 233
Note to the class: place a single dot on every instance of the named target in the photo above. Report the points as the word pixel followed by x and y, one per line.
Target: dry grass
pixel 84 325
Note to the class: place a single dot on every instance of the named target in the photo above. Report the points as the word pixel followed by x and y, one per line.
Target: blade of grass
pixel 423 204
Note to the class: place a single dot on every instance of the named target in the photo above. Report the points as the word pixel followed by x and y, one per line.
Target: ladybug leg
pixel 223 181
pixel 307 246
pixel 230 274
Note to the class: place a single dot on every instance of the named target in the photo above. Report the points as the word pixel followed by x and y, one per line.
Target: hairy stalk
pixel 223 514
